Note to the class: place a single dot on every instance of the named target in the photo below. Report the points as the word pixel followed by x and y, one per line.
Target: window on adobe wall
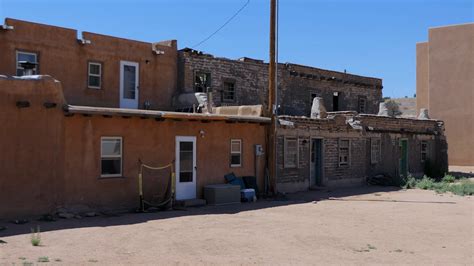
pixel 202 81
pixel 94 77
pixel 344 152
pixel 290 152
pixel 424 151
pixel 26 58
pixel 228 91
pixel 375 150
pixel 335 101
pixel 111 156
pixel 362 106
pixel 235 153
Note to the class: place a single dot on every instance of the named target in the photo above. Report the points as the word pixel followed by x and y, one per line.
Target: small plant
pixel 369 246
pixel 35 236
pixel 58 260
pixel 409 182
pixel 27 263
pixel 425 183
pixel 93 260
pixel 449 179
pixel 43 259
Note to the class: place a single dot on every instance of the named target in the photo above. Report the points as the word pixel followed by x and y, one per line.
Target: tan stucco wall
pixel 451 87
pixel 48 159
pixel 31 150
pixel 62 57
pixel 422 76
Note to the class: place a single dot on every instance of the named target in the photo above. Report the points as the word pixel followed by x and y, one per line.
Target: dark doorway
pixel 316 169
pixel 335 102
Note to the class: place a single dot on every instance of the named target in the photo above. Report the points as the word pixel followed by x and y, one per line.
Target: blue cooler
pixel 248 195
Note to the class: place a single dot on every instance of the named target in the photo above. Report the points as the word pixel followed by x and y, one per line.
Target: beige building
pixel 445 85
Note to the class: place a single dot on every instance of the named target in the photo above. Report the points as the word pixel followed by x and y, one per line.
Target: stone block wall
pixel 296 84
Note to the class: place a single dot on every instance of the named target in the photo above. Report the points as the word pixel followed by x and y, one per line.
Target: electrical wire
pixel 223 25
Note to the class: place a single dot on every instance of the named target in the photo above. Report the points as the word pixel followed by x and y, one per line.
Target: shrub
pixel 35 237
pixel 409 182
pixel 449 179
pixel 425 183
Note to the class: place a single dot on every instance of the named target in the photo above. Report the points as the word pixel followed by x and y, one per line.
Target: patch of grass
pixel 35 236
pixel 27 263
pixel 21 258
pixel 58 260
pixel 93 260
pixel 448 183
pixel 369 246
pixel 43 259
pixel 398 250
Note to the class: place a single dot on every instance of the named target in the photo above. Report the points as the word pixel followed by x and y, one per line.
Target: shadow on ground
pixel 316 195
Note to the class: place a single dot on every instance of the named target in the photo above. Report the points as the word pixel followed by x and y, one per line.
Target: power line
pixel 223 25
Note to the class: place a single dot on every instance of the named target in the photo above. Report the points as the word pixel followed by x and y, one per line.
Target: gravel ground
pixel 346 226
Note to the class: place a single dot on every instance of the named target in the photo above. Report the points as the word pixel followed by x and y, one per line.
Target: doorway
pixel 335 101
pixel 129 82
pixel 403 165
pixel 316 168
pixel 185 168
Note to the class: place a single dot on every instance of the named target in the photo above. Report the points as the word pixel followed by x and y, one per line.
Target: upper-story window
pixel 94 77
pixel 362 108
pixel 26 63
pixel 228 92
pixel 202 81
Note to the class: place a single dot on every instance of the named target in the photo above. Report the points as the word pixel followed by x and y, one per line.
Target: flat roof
pixel 88 110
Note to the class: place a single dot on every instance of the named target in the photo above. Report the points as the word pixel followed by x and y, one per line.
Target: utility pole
pixel 271 109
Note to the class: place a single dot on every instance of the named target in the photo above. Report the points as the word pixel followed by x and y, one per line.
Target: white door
pixel 129 84
pixel 185 168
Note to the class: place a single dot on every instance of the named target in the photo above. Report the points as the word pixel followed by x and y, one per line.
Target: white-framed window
pixel 290 153
pixel 228 92
pixel 111 156
pixel 344 152
pixel 94 76
pixel 424 150
pixel 235 152
pixel 29 57
pixel 375 150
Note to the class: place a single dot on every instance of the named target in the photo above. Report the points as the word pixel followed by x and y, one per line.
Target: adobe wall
pixel 61 56
pixel 422 76
pixel 154 143
pixel 451 86
pixel 296 83
pixel 32 154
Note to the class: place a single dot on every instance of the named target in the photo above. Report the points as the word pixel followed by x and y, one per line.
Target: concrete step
pixel 191 202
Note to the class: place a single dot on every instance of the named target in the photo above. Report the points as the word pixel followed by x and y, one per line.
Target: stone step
pixel 191 202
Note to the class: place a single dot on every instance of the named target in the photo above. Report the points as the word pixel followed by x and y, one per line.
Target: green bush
pixel 449 179
pixel 425 183
pixel 35 237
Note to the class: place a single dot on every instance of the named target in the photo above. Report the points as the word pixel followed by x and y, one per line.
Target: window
pixel 25 57
pixel 424 150
pixel 202 81
pixel 228 93
pixel 375 151
pixel 94 77
pixel 111 156
pixel 290 152
pixel 313 95
pixel 362 105
pixel 335 101
pixel 235 153
pixel 344 152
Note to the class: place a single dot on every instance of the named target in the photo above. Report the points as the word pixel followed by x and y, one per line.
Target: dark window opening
pixel 228 93
pixel 335 102
pixel 202 81
pixel 362 105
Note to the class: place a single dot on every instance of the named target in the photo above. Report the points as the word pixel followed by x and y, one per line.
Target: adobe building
pixel 94 69
pixel 445 86
pixel 80 114
pixel 245 82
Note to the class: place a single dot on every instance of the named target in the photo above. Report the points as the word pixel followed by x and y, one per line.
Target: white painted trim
pixel 186 190
pixel 94 75
pixel 112 156
pixel 127 103
pixel 235 153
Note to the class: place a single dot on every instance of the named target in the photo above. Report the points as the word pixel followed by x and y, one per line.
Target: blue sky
pixel 367 37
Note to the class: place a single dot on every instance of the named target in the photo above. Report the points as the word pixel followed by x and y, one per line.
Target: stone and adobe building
pixel 445 86
pixel 80 111
pixel 245 82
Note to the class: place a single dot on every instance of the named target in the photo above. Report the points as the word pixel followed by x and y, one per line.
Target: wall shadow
pixel 128 218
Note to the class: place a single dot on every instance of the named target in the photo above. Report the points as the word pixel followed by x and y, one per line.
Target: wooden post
pixel 271 99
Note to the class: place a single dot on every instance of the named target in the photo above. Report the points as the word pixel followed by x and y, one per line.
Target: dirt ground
pixel 346 226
